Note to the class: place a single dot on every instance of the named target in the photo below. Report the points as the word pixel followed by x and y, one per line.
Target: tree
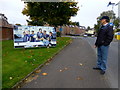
pixel 117 22
pixel 111 15
pixel 97 26
pixel 74 23
pixel 18 24
pixel 53 13
pixel 117 30
pixel 88 28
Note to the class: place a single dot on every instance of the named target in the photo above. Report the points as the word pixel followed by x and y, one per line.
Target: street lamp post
pixel 119 9
pixel 113 4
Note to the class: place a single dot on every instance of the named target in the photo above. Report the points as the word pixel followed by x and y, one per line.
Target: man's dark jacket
pixel 105 35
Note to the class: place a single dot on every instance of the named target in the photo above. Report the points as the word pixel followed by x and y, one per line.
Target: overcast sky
pixel 89 11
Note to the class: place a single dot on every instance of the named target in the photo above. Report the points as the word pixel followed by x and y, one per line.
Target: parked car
pixel 85 35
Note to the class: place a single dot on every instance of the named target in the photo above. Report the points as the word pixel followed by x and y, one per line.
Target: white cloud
pixel 87 14
pixel 91 9
pixel 12 10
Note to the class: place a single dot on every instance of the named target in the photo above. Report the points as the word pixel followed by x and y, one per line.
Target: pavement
pixel 71 68
pixel 112 64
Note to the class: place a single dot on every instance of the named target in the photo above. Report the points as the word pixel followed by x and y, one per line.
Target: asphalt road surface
pixel 71 68
pixel 112 71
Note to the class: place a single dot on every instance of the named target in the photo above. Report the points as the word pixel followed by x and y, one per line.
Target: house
pixel 72 30
pixel 90 32
pixel 6 29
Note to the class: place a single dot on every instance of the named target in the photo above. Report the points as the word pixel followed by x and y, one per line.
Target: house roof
pixel 4 22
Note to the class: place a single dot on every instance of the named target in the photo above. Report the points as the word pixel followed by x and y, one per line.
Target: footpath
pixel 71 68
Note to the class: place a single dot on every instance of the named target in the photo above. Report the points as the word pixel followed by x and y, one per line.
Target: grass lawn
pixel 18 63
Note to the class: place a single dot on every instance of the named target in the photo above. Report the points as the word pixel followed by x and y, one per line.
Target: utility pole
pixel 113 4
pixel 118 4
pixel 119 9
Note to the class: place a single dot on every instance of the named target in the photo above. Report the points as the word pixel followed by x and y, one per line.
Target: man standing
pixel 40 34
pixel 24 37
pixel 33 39
pixel 28 35
pixel 46 37
pixel 104 38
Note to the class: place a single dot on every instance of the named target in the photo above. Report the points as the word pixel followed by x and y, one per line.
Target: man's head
pixel 40 30
pixel 44 32
pixel 104 20
pixel 24 33
pixel 28 31
pixel 50 33
pixel 32 32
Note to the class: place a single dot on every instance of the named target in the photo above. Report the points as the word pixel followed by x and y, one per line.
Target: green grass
pixel 18 63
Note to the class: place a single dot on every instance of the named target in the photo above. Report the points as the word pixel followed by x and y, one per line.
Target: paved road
pixel 71 68
pixel 112 72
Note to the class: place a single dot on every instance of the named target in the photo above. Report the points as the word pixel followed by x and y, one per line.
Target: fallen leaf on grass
pixel 30 51
pixel 25 61
pixel 32 54
pixel 49 59
pixel 10 78
pixel 18 86
pixel 34 59
pixel 40 55
pixel 47 64
pixel 29 56
pixel 4 55
pixel 18 77
pixel 29 79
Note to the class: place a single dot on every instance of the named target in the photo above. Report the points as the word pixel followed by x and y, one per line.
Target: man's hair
pixel 50 32
pixel 107 20
pixel 40 29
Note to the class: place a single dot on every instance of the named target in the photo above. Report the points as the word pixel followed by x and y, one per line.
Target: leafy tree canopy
pixel 111 15
pixel 52 13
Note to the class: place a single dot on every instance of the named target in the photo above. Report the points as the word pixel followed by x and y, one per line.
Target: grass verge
pixel 18 63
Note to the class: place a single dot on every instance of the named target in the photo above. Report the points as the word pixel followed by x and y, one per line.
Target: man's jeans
pixel 102 57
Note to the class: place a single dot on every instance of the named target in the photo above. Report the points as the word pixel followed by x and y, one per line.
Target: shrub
pixel 58 34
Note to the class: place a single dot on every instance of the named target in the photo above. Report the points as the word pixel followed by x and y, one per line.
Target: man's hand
pixel 95 46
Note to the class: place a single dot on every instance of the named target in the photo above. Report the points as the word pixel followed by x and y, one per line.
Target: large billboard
pixel 34 36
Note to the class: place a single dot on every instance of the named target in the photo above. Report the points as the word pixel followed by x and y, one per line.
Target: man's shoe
pixel 102 72
pixel 96 68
